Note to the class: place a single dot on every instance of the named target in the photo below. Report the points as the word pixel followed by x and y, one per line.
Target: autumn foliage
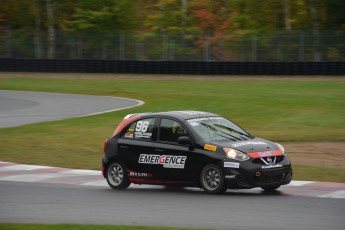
pixel 209 25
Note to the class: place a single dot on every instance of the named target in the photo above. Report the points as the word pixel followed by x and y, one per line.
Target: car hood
pixel 249 146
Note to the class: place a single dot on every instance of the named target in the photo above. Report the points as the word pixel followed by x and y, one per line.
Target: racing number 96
pixel 142 126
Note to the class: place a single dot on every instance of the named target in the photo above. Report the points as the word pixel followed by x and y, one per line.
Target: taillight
pixel 105 144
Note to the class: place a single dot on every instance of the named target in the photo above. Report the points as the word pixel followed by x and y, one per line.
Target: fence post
pixel 254 48
pixel 122 46
pixel 72 45
pixel 171 50
pixel 165 47
pixel 301 47
pixel 80 46
pixel 37 41
pixel 104 51
pixel 139 51
pixel 51 29
pixel 207 50
pixel 5 38
pixel 9 42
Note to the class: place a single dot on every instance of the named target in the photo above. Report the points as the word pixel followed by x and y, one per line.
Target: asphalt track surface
pixel 42 194
pixel 23 202
pixel 20 108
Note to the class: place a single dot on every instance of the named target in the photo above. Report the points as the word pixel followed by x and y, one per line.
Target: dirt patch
pixel 322 154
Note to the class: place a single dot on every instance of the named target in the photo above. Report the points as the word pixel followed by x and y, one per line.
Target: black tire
pixel 117 176
pixel 212 179
pixel 270 188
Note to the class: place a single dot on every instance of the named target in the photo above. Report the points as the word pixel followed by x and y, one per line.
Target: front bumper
pixel 249 175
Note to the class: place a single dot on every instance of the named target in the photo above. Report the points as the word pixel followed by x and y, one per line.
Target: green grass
pixel 79 227
pixel 313 173
pixel 276 110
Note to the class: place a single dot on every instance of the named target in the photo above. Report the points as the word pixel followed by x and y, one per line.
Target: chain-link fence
pixel 276 46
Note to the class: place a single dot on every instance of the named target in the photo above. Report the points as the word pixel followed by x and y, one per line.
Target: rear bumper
pixel 103 165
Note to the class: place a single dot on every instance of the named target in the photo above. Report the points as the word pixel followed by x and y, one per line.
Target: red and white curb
pixel 46 174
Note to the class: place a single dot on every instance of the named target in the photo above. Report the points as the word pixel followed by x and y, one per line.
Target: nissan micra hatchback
pixel 192 149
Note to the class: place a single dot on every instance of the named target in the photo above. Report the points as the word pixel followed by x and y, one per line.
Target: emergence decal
pixel 168 161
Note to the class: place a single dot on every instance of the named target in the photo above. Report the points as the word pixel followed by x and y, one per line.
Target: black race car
pixel 192 149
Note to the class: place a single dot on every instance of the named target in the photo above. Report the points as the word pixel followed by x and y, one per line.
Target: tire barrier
pixel 172 67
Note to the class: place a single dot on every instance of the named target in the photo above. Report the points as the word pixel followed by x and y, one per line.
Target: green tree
pixel 40 17
pixel 103 16
pixel 335 15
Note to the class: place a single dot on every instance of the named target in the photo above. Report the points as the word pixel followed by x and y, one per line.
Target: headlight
pixel 236 155
pixel 281 148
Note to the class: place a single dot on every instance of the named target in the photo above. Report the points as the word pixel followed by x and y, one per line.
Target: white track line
pixel 337 194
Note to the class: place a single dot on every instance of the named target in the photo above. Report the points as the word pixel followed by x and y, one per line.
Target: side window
pixel 171 130
pixel 142 129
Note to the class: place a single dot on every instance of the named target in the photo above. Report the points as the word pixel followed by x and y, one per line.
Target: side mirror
pixel 184 140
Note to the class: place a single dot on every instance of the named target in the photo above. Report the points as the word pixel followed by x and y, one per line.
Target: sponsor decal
pixel 248 143
pixel 139 174
pixel 232 165
pixel 266 154
pixel 142 135
pixel 195 121
pixel 210 147
pixel 262 154
pixel 192 112
pixel 168 161
pixel 129 135
pixel 271 166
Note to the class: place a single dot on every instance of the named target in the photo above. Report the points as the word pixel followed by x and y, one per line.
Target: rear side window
pixel 170 130
pixel 142 129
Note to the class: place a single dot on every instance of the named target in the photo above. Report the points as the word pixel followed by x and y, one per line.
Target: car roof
pixel 183 114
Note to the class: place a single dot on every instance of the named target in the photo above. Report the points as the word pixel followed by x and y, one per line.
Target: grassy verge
pixel 79 227
pixel 275 110
pixel 313 173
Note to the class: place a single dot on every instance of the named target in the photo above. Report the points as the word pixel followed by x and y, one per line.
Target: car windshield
pixel 217 128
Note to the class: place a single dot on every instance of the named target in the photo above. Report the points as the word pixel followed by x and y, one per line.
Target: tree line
pixel 187 27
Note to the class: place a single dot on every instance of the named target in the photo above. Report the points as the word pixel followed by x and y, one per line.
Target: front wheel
pixel 117 177
pixel 212 179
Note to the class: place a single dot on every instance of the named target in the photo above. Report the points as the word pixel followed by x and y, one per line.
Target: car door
pixel 136 141
pixel 175 158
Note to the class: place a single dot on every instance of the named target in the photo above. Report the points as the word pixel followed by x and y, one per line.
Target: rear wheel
pixel 270 188
pixel 117 177
pixel 212 179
